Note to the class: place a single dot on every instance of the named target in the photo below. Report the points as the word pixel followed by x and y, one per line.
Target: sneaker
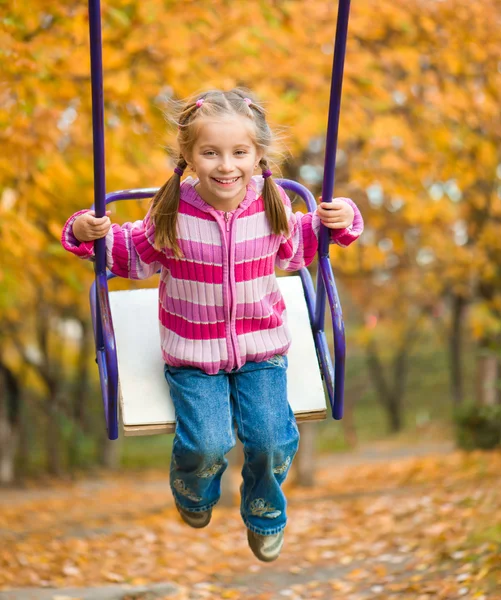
pixel 265 547
pixel 195 519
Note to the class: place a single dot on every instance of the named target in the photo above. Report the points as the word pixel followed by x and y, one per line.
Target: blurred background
pixel 419 152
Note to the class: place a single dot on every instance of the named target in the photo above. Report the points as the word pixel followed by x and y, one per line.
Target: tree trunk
pixel 80 400
pixel 53 436
pixel 82 384
pixel 51 373
pixel 305 457
pixel 394 404
pixel 348 423
pixel 456 349
pixel 498 395
pixel 487 377
pixel 9 439
pixel 24 452
pixel 111 452
pixel 390 394
pixel 10 405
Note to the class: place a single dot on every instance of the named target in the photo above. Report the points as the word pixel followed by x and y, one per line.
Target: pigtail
pixel 164 209
pixel 273 203
pixel 165 204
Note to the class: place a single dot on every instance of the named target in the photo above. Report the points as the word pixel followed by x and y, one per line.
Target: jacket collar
pixel 190 195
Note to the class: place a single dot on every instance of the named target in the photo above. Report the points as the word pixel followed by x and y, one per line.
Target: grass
pixel 146 451
pixel 490 535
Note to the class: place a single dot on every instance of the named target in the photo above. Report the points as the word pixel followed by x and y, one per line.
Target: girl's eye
pixel 209 153
pixel 241 152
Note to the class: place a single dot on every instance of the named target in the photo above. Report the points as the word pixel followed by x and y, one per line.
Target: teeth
pixel 226 180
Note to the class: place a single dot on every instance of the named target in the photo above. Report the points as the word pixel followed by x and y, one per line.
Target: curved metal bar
pixel 321 345
pixel 325 359
pixel 144 193
pixel 309 293
pixel 300 190
pixel 329 285
pixel 106 355
pixel 137 194
pixel 334 378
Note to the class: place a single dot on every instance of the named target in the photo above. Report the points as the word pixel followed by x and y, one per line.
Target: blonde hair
pixel 215 104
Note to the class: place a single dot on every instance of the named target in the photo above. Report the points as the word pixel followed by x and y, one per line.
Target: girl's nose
pixel 226 164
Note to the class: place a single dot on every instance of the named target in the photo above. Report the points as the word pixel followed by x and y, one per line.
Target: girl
pixel 216 240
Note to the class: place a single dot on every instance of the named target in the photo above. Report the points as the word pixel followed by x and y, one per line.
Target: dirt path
pixel 380 524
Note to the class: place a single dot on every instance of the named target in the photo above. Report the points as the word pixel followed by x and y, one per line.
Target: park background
pixel 419 151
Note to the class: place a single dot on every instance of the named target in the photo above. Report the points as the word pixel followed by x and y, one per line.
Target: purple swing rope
pixel 325 278
pixel 103 327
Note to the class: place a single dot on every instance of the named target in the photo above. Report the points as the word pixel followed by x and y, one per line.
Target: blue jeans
pixel 254 398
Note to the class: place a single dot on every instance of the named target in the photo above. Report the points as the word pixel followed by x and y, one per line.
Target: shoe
pixel 195 519
pixel 265 547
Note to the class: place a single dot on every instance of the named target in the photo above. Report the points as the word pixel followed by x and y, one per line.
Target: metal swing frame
pixel 106 353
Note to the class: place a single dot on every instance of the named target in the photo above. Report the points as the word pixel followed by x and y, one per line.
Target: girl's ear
pixel 259 156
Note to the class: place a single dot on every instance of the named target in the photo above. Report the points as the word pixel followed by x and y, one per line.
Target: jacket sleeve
pixel 299 248
pixel 345 237
pixel 129 248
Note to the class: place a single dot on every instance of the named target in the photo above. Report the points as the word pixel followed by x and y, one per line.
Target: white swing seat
pixel 144 398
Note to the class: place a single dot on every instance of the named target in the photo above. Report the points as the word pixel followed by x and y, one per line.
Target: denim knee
pixel 274 445
pixel 203 453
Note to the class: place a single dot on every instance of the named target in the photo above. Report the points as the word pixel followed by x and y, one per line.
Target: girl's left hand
pixel 337 214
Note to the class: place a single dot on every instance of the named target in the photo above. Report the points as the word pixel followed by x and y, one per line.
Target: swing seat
pixel 145 403
pixel 129 359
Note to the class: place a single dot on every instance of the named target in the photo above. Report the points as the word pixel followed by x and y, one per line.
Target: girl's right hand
pixel 87 227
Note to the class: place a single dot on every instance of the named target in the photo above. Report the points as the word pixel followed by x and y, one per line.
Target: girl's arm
pixel 299 248
pixel 129 248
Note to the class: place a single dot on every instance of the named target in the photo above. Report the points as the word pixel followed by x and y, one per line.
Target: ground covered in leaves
pixel 413 529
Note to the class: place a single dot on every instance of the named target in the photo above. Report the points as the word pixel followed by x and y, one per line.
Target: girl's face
pixel 224 158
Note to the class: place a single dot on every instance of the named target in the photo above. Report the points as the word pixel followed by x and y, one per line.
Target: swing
pixel 128 350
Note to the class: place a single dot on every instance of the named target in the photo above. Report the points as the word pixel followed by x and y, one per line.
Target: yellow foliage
pixel 484 321
pixel 421 98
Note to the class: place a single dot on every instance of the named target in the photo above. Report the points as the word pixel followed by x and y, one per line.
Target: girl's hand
pixel 87 227
pixel 337 214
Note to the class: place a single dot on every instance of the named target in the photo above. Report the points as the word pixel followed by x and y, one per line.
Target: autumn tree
pixel 418 137
pixel 424 146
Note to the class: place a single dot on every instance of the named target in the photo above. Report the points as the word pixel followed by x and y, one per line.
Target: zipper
pixel 228 217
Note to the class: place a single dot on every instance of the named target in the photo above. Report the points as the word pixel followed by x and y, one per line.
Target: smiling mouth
pixel 226 181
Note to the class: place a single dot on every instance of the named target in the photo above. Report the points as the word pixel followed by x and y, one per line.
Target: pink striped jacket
pixel 220 304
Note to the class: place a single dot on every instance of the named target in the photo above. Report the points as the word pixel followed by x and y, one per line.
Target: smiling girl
pixel 216 239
